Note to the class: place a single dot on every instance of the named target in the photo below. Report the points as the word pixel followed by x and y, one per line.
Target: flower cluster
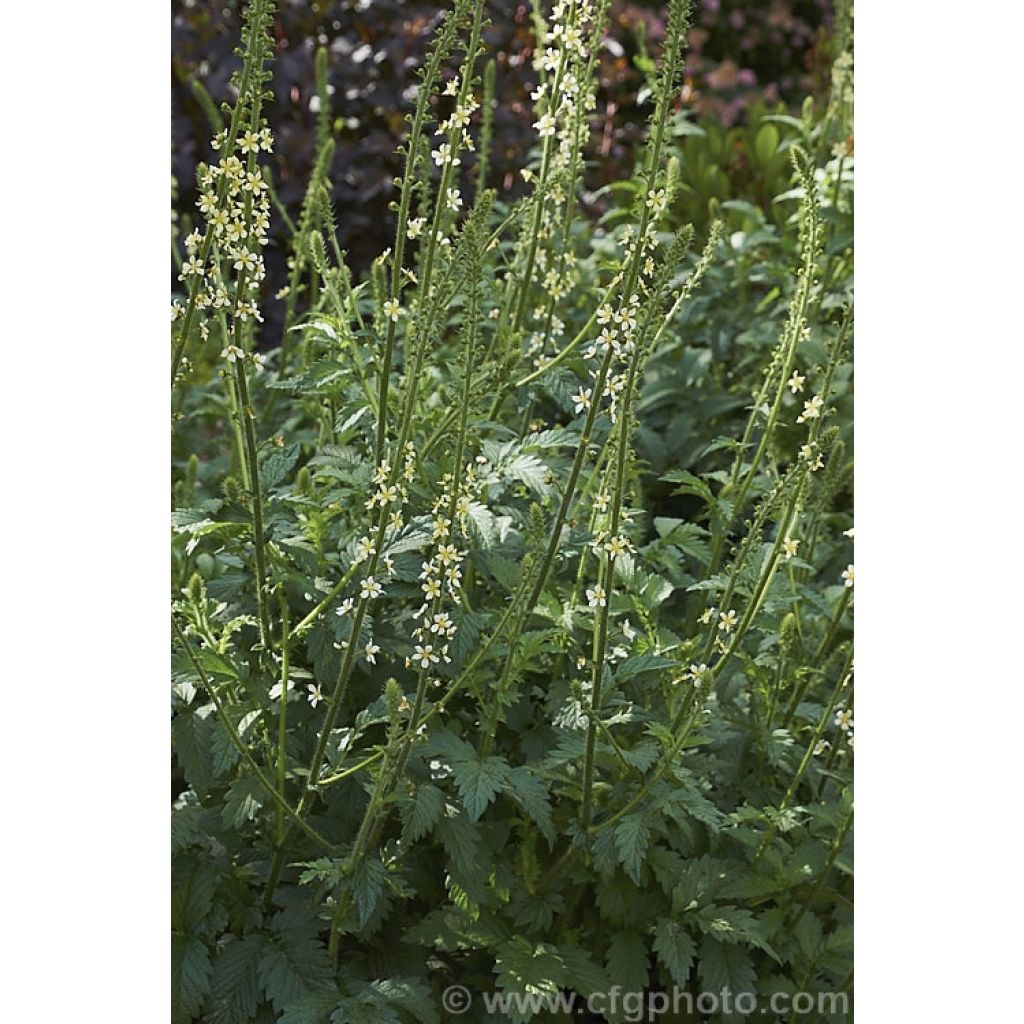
pixel 234 203
pixel 441 573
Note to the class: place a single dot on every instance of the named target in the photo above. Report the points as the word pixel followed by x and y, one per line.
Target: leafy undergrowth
pixel 513 584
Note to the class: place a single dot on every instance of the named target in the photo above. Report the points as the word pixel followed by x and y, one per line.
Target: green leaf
pixel 766 142
pixel 411 994
pixel 192 890
pixel 479 782
pixel 191 740
pixel 423 812
pixel 528 469
pixel 725 967
pixel 525 966
pixel 190 974
pixel 244 799
pixel 367 883
pixel 234 989
pixel 675 948
pixel 689 484
pixel 463 844
pixel 277 465
pixel 295 962
pixel 311 1009
pixel 632 836
pixel 628 961
pixel 366 1008
pixel 734 924
pixel 532 794
pixel 581 973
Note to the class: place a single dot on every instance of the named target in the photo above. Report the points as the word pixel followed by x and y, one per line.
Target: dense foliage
pixel 513 578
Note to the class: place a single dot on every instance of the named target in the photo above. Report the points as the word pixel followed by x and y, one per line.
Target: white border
pixel 939 231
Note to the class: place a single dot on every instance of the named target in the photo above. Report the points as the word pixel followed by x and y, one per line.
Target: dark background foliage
pixel 742 54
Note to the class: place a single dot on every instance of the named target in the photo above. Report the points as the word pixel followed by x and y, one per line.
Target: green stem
pixel 282 719
pixel 256 496
pixel 240 746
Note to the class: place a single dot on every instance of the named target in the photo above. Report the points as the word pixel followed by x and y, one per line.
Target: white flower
pixel 453 200
pixel 601 501
pixel 617 546
pixel 546 125
pixel 442 623
pixel 812 409
pixel 316 695
pixel 628 631
pixel 848 533
pixel 848 576
pixel 451 86
pixel 597 598
pixel 392 310
pixel 415 227
pixel 728 621
pixel 447 554
pixel 844 719
pixel 425 656
pixel 698 673
pixel 370 589
pixel 581 400
pixel 796 382
pixel 345 607
pixel 707 615
pixel 657 200
pixel 443 155
pixel 364 549
pixel 432 589
pixel 789 546
pixel 371 650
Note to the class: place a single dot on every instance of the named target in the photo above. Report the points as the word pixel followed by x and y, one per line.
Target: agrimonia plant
pixel 453 702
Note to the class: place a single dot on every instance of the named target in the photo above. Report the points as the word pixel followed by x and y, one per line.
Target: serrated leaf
pixel 245 797
pixel 234 987
pixel 735 925
pixel 675 949
pixel 628 961
pixel 582 973
pixel 479 782
pixel 722 966
pixel 529 470
pixel 529 967
pixel 423 812
pixel 532 795
pixel 192 890
pixel 411 994
pixel 190 977
pixel 311 1009
pixel 367 883
pixel 191 739
pixel 632 836
pixel 277 465
pixel 463 844
pixel 294 963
